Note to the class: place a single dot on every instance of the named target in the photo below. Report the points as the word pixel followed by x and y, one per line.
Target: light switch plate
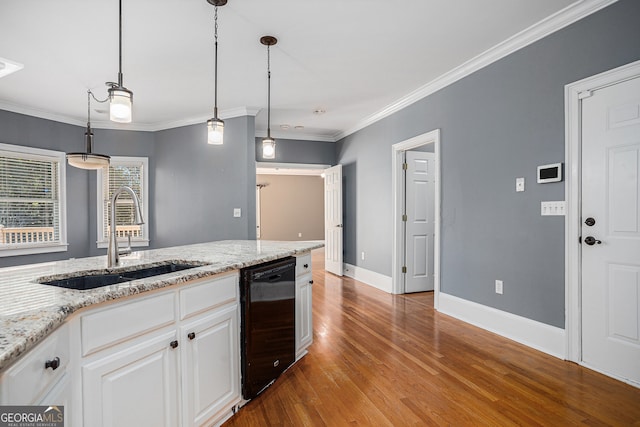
pixel 552 208
pixel 519 184
pixel 237 213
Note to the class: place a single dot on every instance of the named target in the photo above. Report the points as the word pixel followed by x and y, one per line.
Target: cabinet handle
pixel 174 344
pixel 311 282
pixel 306 266
pixel 53 364
pixel 191 335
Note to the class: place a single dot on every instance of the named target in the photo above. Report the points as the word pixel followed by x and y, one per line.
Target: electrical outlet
pixel 299 234
pixel 519 184
pixel 237 213
pixel 499 287
pixel 363 255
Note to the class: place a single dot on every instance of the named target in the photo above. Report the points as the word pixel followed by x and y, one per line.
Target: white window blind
pixel 130 172
pixel 31 202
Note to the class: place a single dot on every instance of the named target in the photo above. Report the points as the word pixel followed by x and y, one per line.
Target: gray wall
pixel 496 124
pixel 289 205
pixel 18 129
pixel 300 151
pixel 193 186
pixel 198 185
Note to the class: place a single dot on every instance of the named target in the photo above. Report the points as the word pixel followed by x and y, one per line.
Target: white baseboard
pixel 368 277
pixel 543 337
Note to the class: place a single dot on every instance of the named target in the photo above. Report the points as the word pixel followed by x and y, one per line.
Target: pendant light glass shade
pixel 88 159
pixel 120 98
pixel 215 131
pixel 120 104
pixel 268 148
pixel 268 143
pixel 215 126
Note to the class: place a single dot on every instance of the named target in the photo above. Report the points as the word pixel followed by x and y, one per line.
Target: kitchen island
pixel 30 312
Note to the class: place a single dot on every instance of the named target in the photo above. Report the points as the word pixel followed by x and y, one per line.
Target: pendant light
pixel 120 98
pixel 268 143
pixel 88 159
pixel 215 126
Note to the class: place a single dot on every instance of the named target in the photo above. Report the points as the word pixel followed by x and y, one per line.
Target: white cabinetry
pixel 166 359
pixel 42 376
pixel 134 387
pixel 304 314
pixel 211 352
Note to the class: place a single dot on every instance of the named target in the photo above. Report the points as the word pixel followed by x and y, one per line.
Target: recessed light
pixel 319 111
pixel 7 67
pixel 284 127
pixel 299 127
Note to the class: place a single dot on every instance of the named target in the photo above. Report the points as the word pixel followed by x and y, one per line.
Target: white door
pixel 611 245
pixel 137 387
pixel 333 219
pixel 419 224
pixel 210 368
pixel 258 188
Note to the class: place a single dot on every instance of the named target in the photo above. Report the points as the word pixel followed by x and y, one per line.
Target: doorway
pixel 603 223
pixel 398 191
pixel 289 202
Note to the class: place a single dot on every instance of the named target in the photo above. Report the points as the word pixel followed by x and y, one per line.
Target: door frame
pixel 397 151
pixel 574 93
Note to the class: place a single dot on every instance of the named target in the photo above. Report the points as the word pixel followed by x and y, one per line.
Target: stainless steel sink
pixel 92 281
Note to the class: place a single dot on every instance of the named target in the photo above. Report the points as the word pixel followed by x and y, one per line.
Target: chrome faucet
pixel 113 253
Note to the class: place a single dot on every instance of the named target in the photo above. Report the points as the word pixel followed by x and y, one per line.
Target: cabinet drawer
pixel 26 381
pixel 110 325
pixel 208 294
pixel 303 264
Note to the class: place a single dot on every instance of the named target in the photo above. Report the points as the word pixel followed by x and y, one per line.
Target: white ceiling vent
pixel 7 67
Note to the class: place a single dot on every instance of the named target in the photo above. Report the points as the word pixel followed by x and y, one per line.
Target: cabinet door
pixel 60 395
pixel 210 366
pixel 37 371
pixel 135 387
pixel 304 314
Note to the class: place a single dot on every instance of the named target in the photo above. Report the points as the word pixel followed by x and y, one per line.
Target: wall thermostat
pixel 550 173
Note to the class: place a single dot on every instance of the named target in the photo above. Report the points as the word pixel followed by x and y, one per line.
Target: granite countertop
pixel 29 311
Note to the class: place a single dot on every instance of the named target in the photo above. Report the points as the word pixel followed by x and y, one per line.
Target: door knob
pixel 590 240
pixel 174 344
pixel 191 335
pixel 590 222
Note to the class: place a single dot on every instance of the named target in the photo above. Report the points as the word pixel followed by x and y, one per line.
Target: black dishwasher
pixel 267 295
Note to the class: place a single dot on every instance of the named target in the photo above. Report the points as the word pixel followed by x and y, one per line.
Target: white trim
pixel 135 126
pixel 33 250
pixel 293 135
pixel 537 31
pixel 543 337
pixel 573 94
pixel 101 242
pixel 46 155
pixel 368 277
pixel 397 150
pixel 266 168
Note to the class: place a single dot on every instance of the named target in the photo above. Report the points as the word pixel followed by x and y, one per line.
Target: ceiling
pixel 350 58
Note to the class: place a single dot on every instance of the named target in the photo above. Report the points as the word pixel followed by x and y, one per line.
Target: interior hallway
pixel 391 360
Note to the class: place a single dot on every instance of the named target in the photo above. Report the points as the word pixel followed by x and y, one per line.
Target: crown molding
pixel 296 135
pixel 537 31
pixel 136 126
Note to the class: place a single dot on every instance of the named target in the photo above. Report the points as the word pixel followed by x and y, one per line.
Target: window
pixel 32 201
pixel 132 172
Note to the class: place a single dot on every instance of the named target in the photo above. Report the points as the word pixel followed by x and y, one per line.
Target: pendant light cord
pixel 268 91
pixel 215 72
pixel 89 94
pixel 120 44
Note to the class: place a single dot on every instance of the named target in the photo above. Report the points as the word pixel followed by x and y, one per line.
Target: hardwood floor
pixel 392 360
